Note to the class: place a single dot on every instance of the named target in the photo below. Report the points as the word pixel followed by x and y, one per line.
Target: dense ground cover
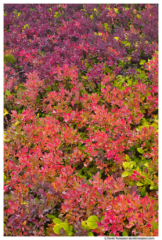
pixel 80 120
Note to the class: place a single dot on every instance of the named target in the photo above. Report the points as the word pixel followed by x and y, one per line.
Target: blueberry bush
pixel 81 120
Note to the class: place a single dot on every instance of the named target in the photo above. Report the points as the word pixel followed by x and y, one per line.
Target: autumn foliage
pixel 80 120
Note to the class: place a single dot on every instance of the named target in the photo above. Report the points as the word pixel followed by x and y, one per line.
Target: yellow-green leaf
pixel 125 174
pixel 7 140
pixel 85 225
pixel 56 220
pixel 16 123
pixel 116 10
pixel 5 112
pixel 155 225
pixel 90 234
pixel 8 93
pixel 64 225
pixel 142 62
pixel 143 191
pixel 139 184
pixel 57 229
pixel 140 150
pixel 50 216
pixel 92 222
pixel 125 233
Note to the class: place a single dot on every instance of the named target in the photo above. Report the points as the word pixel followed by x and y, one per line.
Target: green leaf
pixel 57 229
pixel 125 233
pixel 79 145
pixel 85 225
pixel 153 187
pixel 48 89
pixel 56 15
pixel 70 233
pixel 143 191
pixel 125 174
pixel 155 225
pixel 148 181
pixel 129 82
pixel 106 26
pixel 116 10
pixel 56 220
pixel 126 43
pixel 129 165
pixel 71 228
pixel 140 150
pixel 64 225
pixel 16 123
pixel 50 216
pixel 26 26
pixel 8 93
pixel 126 165
pixel 139 184
pixel 7 140
pixel 5 177
pixel 142 62
pixel 127 157
pixel 38 99
pixel 90 234
pixel 92 222
pixel 146 165
pixel 5 112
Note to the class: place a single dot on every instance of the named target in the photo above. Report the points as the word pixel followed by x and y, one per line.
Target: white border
pixel 1 105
